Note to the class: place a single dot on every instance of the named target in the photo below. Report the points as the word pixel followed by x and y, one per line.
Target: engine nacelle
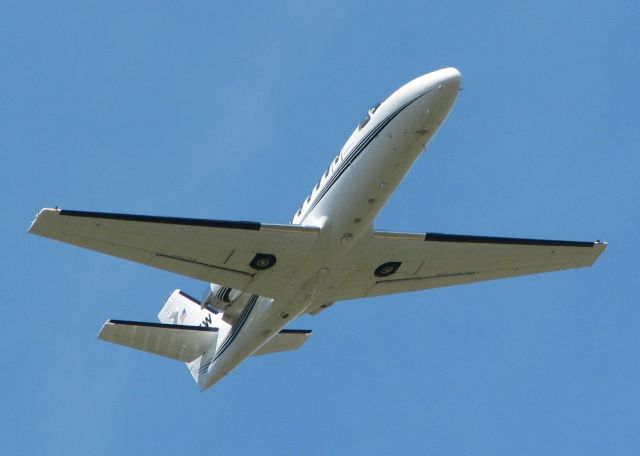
pixel 219 296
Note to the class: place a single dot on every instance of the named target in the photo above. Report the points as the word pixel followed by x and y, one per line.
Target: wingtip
pixel 102 335
pixel 44 212
pixel 601 245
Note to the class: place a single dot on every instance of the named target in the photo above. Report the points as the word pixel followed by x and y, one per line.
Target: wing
pixel 218 251
pixel 388 262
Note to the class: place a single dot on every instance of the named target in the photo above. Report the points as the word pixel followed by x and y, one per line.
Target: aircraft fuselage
pixel 344 204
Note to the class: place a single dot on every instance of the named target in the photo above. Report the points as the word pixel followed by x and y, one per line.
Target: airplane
pixel 263 276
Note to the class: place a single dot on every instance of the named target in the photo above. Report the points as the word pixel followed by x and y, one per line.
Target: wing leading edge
pixel 439 260
pixel 222 251
pixel 216 251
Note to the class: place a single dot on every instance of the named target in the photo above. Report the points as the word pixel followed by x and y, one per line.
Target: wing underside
pixel 420 261
pixel 222 252
pixel 211 250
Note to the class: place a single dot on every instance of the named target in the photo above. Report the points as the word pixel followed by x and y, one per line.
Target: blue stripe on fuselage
pixel 355 153
pixel 234 332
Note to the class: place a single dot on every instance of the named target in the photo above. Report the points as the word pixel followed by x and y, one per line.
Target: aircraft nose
pixel 447 80
pixel 444 88
pixel 450 77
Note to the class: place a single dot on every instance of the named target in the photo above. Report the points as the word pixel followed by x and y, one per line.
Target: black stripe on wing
pixel 239 225
pixel 468 239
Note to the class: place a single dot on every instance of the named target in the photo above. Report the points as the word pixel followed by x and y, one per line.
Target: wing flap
pixel 179 342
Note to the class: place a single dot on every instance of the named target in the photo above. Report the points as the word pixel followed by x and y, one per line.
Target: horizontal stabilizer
pixel 179 342
pixel 287 339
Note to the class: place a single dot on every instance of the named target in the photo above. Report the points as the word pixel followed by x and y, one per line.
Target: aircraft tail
pixel 187 332
pixel 183 309
pixel 190 333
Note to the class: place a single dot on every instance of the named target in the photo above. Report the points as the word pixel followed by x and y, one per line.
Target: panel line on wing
pixel 469 273
pixel 199 263
pixel 437 276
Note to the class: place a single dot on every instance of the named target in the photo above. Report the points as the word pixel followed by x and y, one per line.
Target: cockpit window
pixel 364 121
pixel 370 112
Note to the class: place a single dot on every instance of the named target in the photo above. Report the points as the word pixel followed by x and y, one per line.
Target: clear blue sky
pixel 203 109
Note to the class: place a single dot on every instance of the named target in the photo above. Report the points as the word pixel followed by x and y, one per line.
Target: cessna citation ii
pixel 263 276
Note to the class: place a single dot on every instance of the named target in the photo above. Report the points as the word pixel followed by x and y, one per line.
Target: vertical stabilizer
pixel 182 309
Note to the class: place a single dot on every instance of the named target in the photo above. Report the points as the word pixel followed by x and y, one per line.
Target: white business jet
pixel 262 276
